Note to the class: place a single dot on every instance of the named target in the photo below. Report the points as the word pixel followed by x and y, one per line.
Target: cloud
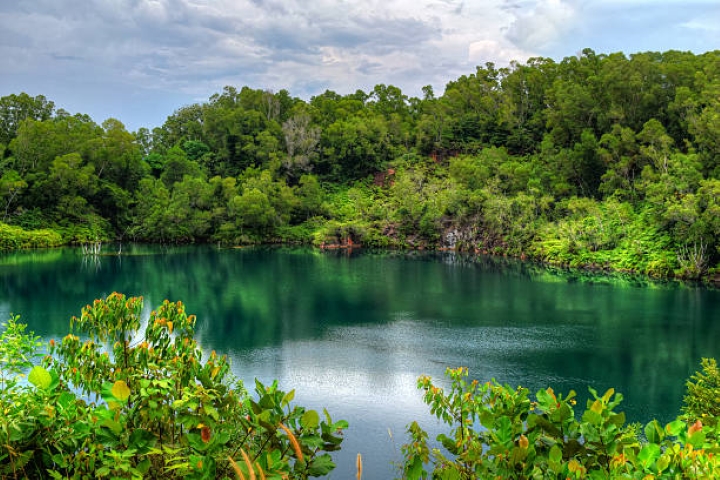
pixel 542 24
pixel 702 25
pixel 192 48
pixel 484 51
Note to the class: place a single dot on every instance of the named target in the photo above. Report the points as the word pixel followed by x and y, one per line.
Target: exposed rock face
pixel 455 238
pixel 450 239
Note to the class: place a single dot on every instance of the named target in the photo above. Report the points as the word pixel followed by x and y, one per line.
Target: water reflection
pixel 353 331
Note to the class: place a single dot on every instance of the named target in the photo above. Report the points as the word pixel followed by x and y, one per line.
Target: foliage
pixel 702 401
pixel 120 403
pixel 500 432
pixel 12 238
pixel 604 161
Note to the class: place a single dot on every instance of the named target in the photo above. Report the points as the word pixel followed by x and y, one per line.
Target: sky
pixel 140 60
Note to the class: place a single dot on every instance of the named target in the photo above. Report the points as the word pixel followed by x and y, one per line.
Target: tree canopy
pixel 608 160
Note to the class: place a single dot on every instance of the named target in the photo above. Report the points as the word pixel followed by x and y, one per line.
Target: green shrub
pixel 702 400
pixel 14 238
pixel 122 404
pixel 500 432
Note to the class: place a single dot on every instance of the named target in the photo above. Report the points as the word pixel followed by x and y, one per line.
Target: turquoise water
pixel 352 332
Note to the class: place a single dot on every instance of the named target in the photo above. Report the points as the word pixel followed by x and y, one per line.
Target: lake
pixel 352 331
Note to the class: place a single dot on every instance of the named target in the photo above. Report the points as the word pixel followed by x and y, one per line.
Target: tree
pixel 310 197
pixel 176 166
pixel 301 143
pixel 117 156
pixel 252 211
pixel 14 109
pixel 11 185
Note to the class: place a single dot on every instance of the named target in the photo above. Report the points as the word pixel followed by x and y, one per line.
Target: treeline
pixel 609 161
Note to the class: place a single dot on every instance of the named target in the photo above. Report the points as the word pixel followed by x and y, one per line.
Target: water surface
pixel 352 332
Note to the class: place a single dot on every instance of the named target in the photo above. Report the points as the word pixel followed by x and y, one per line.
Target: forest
pixel 602 161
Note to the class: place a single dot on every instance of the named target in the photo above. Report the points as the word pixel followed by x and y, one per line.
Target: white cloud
pixel 542 25
pixel 702 24
pixel 484 51
pixel 192 48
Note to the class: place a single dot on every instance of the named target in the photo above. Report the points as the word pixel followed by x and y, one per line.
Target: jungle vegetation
pixel 607 161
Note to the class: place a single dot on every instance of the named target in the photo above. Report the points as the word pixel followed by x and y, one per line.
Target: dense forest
pixel 599 160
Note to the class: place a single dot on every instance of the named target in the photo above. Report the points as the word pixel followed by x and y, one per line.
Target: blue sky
pixel 139 60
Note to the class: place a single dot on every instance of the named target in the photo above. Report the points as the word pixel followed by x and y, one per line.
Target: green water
pixel 353 332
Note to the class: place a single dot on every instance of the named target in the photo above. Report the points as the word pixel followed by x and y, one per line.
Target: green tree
pixel 11 185
pixel 14 109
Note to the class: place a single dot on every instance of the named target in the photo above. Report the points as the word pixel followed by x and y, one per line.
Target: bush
pixel 500 432
pixel 702 400
pixel 126 404
pixel 13 238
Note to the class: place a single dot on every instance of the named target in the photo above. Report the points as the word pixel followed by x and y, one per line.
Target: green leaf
pixel 40 377
pixel 415 470
pixel 618 419
pixel 114 426
pixel 141 440
pixel 556 454
pixel 144 466
pixel 320 466
pixel 448 443
pixel 341 425
pixel 592 417
pixel 289 396
pixel 310 420
pixel 653 432
pixel 675 428
pixel 328 418
pixel 487 419
pixel 649 454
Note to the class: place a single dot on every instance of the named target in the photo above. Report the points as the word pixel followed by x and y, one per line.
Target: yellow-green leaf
pixel 40 377
pixel 310 419
pixel 288 397
pixel 120 390
pixel 608 394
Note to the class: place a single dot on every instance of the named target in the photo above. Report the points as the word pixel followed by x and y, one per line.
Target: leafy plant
pixel 500 432
pixel 119 403
pixel 702 400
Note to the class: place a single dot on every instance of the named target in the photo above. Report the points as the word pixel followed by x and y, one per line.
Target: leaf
pixel 320 466
pixel 414 470
pixel 608 394
pixel 40 377
pixel 448 443
pixel 205 434
pixel 120 391
pixel 675 427
pixel 695 428
pixel 649 454
pixel 144 466
pixel 289 396
pixel 141 440
pixel 556 454
pixel 574 466
pixel 653 432
pixel 310 419
pixel 114 426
